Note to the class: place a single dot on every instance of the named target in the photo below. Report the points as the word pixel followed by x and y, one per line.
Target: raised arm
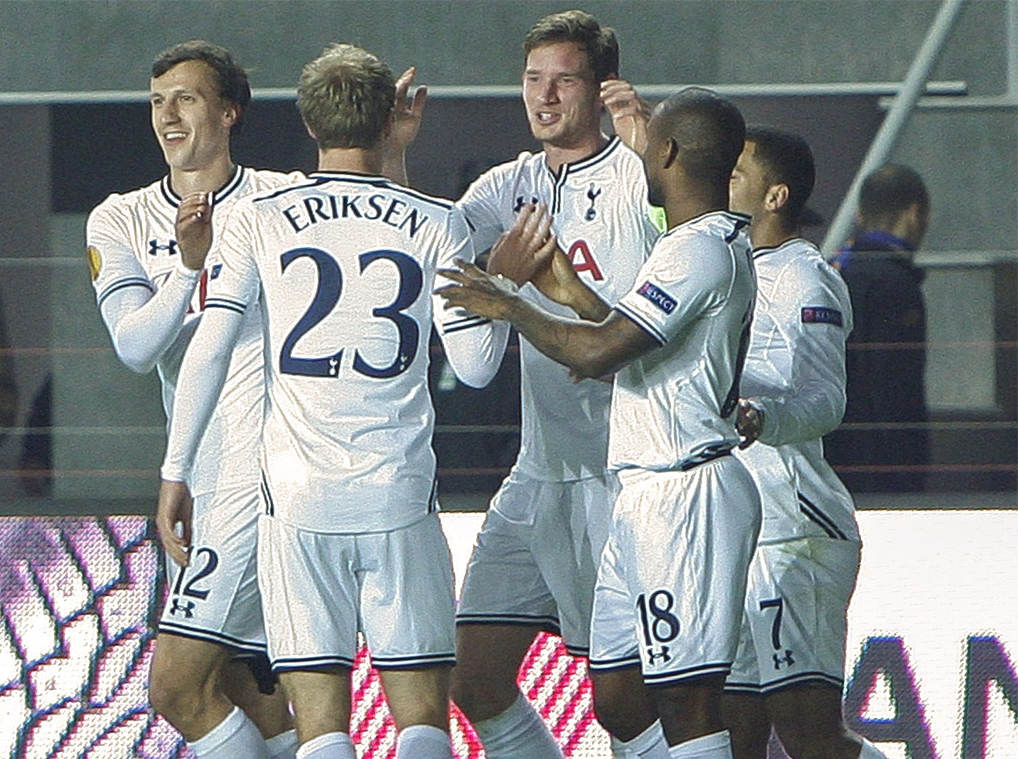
pixel 629 113
pixel 143 321
pixel 408 112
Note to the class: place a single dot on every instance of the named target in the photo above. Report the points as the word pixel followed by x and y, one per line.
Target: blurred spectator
pixel 886 358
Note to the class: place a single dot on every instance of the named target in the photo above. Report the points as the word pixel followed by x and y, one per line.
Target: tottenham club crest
pixel 592 194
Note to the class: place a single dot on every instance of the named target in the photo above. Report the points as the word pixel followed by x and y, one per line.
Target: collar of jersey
pixel 231 184
pixel 733 216
pixel 350 176
pixel 586 163
pixel 758 252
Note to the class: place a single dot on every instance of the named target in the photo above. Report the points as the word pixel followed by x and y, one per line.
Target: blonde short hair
pixel 345 96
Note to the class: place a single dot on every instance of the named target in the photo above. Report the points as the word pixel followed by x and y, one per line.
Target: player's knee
pixel 176 696
pixel 621 711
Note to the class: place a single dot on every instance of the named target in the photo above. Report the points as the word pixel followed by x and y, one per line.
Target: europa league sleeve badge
pixel 95 262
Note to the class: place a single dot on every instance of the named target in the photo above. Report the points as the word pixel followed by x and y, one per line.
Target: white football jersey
pixel 344 266
pixel 674 407
pixel 131 244
pixel 600 211
pixel 795 373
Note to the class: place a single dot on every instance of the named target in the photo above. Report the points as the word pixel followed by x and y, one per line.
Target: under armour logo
pixel 786 660
pixel 184 607
pixel 520 202
pixel 592 195
pixel 154 247
pixel 662 654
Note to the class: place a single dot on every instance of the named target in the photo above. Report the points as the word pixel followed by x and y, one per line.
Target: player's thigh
pixel 311 595
pixel 797 607
pixel 407 597
pixel 216 596
pixel 503 582
pixel 321 700
pixel 418 696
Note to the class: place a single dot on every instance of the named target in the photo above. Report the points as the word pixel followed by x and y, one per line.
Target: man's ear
pixel 231 115
pixel 670 150
pixel 776 197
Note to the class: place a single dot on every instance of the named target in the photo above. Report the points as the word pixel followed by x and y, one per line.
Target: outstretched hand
pixel 173 520
pixel 629 113
pixel 193 229
pixel 525 248
pixel 477 291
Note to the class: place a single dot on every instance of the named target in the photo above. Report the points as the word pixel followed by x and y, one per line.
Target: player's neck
pixel 556 155
pixel 206 179
pixel 686 203
pixel 771 232
pixel 351 160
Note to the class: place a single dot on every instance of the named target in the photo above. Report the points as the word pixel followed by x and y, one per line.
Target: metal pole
pixel 894 122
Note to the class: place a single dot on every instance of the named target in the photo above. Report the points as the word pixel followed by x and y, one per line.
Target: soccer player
pixel 151 295
pixel 535 561
pixel 343 265
pixel 672 577
pixel 789 668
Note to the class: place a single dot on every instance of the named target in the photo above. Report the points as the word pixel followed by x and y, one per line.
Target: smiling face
pixel 190 119
pixel 561 97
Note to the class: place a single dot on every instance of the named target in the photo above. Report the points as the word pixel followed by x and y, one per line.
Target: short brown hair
pixel 580 27
pixel 345 96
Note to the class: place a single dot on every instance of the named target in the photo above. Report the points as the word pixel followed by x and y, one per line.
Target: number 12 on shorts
pixel 658 624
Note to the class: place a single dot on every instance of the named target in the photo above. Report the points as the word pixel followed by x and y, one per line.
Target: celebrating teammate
pixel 535 561
pixel 672 578
pixel 151 294
pixel 343 265
pixel 789 668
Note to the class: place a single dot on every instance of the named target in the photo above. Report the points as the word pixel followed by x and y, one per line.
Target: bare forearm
pixel 577 345
pixel 588 305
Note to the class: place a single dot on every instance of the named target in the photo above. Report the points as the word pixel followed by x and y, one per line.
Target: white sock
pixel 423 742
pixel 282 746
pixel 869 751
pixel 713 746
pixel 328 746
pixel 517 733
pixel 650 744
pixel 236 737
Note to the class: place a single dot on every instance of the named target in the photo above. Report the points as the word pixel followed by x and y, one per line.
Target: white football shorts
pixel 536 557
pixel 321 589
pixel 215 597
pixel 670 588
pixel 795 619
